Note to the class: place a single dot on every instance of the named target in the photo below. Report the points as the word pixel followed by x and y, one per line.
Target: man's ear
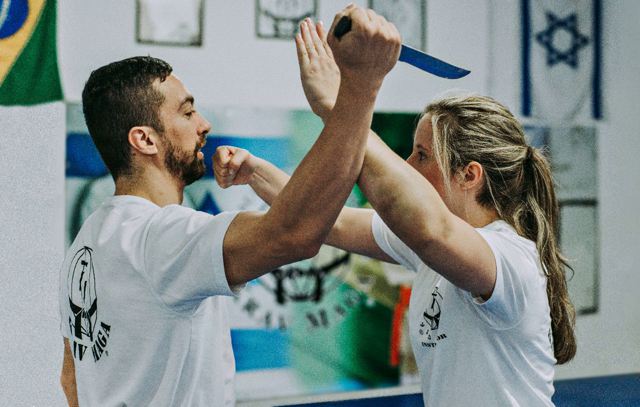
pixel 143 140
pixel 471 176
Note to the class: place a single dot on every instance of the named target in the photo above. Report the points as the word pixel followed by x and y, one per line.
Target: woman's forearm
pixel 268 181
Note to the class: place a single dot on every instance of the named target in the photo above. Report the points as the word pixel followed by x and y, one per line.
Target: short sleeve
pixel 516 272
pixel 392 245
pixel 183 256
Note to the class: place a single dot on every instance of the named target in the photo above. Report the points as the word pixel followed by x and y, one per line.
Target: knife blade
pixel 412 56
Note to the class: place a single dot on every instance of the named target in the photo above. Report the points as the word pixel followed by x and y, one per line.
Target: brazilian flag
pixel 28 60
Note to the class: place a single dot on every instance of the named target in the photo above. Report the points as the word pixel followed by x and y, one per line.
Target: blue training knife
pixel 412 56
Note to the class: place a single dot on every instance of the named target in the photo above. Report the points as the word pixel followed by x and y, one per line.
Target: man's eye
pixel 190 113
pixel 422 156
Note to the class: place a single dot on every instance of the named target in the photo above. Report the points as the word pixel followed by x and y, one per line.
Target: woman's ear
pixel 471 176
pixel 143 140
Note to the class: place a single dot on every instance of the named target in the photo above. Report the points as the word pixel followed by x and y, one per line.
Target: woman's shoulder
pixel 506 233
pixel 510 247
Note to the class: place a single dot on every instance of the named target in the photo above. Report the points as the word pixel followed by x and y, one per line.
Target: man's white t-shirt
pixel 493 353
pixel 141 302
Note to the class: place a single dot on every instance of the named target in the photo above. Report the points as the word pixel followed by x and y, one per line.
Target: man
pixel 140 287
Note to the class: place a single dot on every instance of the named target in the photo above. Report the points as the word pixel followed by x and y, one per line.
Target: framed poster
pixel 280 18
pixel 572 151
pixel 409 16
pixel 166 22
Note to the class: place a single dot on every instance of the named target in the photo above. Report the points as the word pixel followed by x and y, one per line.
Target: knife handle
pixel 342 27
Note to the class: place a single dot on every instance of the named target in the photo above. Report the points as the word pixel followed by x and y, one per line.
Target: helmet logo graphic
pixel 432 314
pixel 430 331
pixel 83 303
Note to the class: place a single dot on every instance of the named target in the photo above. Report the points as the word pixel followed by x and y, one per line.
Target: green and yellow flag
pixel 28 58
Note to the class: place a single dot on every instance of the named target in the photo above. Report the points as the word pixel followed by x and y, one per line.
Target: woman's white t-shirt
pixel 493 353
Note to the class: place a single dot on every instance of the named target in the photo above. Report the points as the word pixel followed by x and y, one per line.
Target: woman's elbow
pixel 433 229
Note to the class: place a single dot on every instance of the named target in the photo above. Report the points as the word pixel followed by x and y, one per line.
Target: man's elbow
pixel 311 249
pixel 65 381
pixel 68 385
pixel 296 241
pixel 302 246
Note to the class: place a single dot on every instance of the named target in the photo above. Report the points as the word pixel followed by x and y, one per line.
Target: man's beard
pixel 186 166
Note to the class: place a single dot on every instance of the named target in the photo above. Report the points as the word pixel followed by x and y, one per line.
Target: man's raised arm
pixel 301 217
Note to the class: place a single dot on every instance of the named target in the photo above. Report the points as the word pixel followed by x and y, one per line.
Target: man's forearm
pixel 315 194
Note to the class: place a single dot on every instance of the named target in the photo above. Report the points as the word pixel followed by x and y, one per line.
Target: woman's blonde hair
pixel 517 183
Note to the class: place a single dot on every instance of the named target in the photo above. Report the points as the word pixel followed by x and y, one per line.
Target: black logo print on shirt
pixel 87 331
pixel 431 322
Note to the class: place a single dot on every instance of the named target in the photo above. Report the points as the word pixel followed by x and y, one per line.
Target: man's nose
pixel 205 127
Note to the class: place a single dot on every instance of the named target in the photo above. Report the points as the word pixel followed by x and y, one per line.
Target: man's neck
pixel 160 188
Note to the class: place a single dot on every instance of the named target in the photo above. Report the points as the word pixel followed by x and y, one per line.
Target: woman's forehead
pixel 423 134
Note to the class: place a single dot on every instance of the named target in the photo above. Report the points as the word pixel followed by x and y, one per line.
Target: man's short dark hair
pixel 116 98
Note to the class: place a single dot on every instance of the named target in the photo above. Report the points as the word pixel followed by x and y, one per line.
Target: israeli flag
pixel 561 59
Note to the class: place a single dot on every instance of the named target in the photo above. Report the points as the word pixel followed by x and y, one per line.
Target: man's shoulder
pixel 117 219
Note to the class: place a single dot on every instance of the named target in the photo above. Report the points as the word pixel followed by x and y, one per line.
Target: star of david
pixel 555 55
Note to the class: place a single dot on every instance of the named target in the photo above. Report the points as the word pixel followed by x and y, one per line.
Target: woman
pixel 473 212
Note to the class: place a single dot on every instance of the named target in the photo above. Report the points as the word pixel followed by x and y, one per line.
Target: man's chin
pixel 195 175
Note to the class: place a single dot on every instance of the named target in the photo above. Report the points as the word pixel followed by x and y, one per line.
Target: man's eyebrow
pixel 421 147
pixel 187 99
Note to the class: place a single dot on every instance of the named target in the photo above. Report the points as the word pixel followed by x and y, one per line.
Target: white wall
pixel 234 68
pixel 31 250
pixel 607 340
